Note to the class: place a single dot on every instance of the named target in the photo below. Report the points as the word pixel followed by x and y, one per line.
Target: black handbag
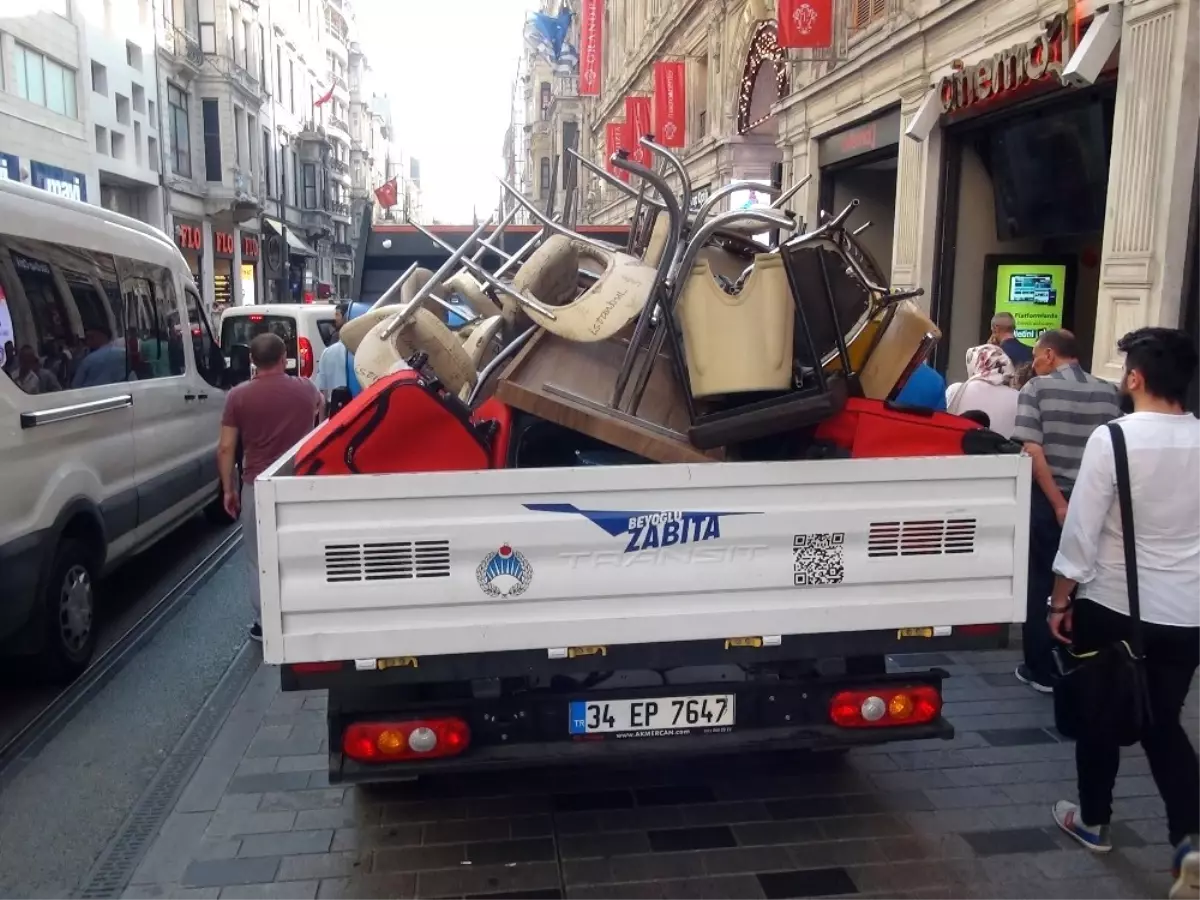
pixel 1102 696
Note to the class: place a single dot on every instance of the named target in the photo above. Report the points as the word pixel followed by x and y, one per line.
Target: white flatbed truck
pixel 474 620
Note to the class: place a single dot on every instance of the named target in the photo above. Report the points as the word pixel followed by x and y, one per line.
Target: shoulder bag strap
pixel 1125 498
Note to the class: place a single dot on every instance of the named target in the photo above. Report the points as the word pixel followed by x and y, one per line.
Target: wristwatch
pixel 1057 609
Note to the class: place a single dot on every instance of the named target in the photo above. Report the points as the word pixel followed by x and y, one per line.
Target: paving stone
pixel 703 838
pixel 591 800
pixel 731 887
pixel 735 860
pixel 836 853
pixel 464 880
pixel 864 827
pixel 318 703
pixel 369 887
pixel 269 781
pixel 290 746
pixel 967 797
pixel 178 839
pixel 352 816
pixel 286 843
pixel 1012 840
pixel 324 865
pixel 725 813
pixel 613 843
pixel 223 872
pixel 305 763
pixel 174 891
pixel 544 894
pixel 283 800
pixel 807 883
pixel 794 832
pixel 233 824
pixel 239 803
pixel 674 795
pixel 635 867
pixel 1017 737
pixel 259 765
pixel 279 890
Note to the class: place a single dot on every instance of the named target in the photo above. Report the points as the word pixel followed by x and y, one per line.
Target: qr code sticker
pixel 817 559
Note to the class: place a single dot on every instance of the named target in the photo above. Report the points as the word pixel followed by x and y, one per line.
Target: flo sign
pixel 1033 61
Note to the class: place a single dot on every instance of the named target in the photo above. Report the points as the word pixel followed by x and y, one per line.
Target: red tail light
pixel 256 318
pixel 405 741
pixel 306 358
pixel 885 707
pixel 310 668
pixel 978 630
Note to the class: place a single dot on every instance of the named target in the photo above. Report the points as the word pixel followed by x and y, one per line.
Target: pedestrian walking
pixel 1004 336
pixel 332 367
pixel 1057 411
pixel 1163 449
pixel 987 389
pixel 269 414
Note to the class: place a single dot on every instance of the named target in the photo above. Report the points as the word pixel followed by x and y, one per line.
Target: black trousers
pixel 1044 535
pixel 1172 655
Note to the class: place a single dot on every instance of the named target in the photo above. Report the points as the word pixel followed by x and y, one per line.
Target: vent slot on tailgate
pixel 926 537
pixel 387 561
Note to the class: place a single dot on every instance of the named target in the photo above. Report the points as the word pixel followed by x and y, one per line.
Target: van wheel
pixel 70 605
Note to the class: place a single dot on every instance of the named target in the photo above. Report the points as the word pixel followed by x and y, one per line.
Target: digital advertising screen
pixel 1033 293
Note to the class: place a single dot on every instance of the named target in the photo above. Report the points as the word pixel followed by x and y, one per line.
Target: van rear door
pixel 237 331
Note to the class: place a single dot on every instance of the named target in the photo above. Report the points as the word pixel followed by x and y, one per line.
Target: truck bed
pixel 374 567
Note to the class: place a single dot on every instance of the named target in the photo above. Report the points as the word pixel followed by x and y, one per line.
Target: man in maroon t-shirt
pixel 270 413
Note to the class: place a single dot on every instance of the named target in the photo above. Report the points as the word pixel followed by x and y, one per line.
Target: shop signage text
pixel 1035 60
pixel 881 132
pixel 10 167
pixel 62 182
pixel 222 244
pixel 249 247
pixel 189 237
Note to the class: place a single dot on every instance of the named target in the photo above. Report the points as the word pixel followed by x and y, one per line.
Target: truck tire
pixel 69 605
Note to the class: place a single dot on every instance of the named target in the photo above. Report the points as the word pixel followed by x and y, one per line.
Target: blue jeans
pixel 1044 535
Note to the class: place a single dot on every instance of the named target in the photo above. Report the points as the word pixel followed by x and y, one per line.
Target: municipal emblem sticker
pixel 504 573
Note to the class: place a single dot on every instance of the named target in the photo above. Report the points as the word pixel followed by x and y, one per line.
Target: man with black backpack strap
pixel 1159 534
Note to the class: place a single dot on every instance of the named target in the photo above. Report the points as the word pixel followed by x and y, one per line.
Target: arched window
pixel 544 177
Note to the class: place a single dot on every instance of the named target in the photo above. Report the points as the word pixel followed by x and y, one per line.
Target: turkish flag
pixel 591 48
pixel 670 103
pixel 324 98
pixel 614 140
pixel 637 126
pixel 386 195
pixel 806 24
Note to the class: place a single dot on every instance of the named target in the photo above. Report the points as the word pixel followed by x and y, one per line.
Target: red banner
pixel 637 126
pixel 591 48
pixel 806 24
pixel 386 194
pixel 614 140
pixel 670 103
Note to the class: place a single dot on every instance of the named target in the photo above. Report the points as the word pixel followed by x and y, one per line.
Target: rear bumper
pixel 530 727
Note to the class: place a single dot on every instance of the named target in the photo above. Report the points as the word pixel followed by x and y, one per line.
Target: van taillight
pixel 306 358
pixel 885 707
pixel 404 741
pixel 310 668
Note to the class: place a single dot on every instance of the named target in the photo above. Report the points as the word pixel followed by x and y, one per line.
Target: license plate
pixel 669 715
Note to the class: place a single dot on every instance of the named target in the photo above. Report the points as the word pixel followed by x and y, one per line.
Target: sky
pixel 447 66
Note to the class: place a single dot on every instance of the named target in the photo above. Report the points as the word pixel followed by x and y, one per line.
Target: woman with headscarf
pixel 988 388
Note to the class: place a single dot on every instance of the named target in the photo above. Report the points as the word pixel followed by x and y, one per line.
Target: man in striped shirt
pixel 1056 413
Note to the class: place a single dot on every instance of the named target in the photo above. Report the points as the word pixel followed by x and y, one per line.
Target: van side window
pixel 209 361
pixel 156 344
pixel 62 317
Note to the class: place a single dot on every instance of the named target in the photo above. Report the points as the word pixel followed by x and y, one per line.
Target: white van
pixel 306 328
pixel 110 408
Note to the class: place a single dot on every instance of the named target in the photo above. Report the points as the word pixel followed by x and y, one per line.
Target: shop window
pixel 64 314
pixel 209 361
pixel 181 142
pixel 212 140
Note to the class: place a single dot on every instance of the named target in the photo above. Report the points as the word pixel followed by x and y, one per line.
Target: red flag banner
pixel 614 140
pixel 637 126
pixel 386 195
pixel 591 48
pixel 806 24
pixel 670 103
pixel 324 98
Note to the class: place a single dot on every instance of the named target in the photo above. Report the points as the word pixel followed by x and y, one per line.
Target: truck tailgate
pixel 378 566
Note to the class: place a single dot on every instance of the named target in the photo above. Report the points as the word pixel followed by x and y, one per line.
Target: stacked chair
pixel 692 343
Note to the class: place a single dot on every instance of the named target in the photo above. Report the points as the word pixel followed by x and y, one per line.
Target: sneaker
pixel 1186 870
pixel 256 632
pixel 1026 677
pixel 1096 838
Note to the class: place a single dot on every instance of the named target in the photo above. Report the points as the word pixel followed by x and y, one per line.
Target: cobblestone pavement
pixel 963 818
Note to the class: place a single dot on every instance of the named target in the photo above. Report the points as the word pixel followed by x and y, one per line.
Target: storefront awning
pixel 297 246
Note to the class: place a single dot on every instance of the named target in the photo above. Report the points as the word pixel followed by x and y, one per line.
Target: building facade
pixel 79 102
pixel 1019 155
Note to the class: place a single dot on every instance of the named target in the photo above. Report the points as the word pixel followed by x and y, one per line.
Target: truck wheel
pixel 70 612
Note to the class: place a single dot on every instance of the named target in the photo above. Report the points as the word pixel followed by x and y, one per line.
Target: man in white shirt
pixel 331 367
pixel 1163 443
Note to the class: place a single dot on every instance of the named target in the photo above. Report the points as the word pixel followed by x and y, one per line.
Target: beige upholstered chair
pixel 483 341
pixel 898 344
pixel 424 332
pixel 464 283
pixel 738 342
pixel 551 275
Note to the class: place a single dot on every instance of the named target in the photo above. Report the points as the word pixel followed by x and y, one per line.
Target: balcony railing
pixel 340 124
pixel 338 80
pixel 181 45
pixel 340 249
pixel 340 209
pixel 338 166
pixel 234 72
pixel 566 87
